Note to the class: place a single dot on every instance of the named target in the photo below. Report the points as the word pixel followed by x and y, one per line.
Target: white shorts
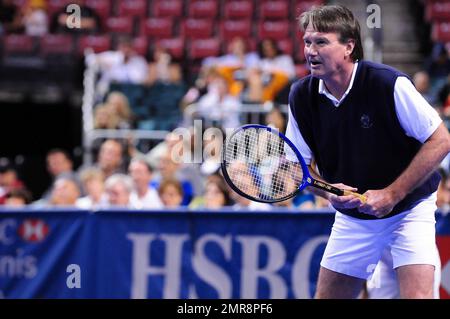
pixel 355 245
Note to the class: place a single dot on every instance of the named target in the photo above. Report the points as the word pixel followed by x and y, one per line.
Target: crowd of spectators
pixel 122 175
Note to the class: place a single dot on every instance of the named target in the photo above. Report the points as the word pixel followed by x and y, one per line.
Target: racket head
pixel 256 166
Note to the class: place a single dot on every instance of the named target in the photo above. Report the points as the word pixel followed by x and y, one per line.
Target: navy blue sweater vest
pixel 361 142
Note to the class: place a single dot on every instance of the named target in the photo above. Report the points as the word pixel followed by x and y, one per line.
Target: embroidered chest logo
pixel 366 121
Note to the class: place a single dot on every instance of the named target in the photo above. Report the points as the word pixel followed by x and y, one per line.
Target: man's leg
pixel 416 281
pixel 333 285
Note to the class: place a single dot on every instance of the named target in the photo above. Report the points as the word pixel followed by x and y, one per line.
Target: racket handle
pixel 336 191
pixel 361 197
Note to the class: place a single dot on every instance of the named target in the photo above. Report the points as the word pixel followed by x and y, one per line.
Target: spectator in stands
pixel 211 155
pixel 444 98
pixel 120 107
pixel 105 118
pixel 143 196
pixel 89 20
pixel 276 119
pixel 421 81
pixel 10 17
pixel 65 193
pixel 93 183
pixel 272 74
pixel 168 169
pixel 123 65
pixel 35 18
pixel 171 193
pixel 234 65
pixel 110 158
pixel 118 189
pixel 163 69
pixel 18 198
pixel 59 164
pixel 215 196
pixel 218 106
pixel 9 179
pixel 205 77
pixel 438 67
pixel 443 193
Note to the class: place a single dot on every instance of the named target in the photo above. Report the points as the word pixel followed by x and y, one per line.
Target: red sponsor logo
pixel 443 243
pixel 33 230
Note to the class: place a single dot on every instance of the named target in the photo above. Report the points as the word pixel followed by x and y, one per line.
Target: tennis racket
pixel 263 165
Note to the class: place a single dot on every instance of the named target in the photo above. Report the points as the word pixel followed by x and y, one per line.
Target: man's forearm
pixel 430 155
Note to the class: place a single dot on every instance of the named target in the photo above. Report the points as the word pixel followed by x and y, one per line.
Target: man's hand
pixel 346 201
pixel 379 202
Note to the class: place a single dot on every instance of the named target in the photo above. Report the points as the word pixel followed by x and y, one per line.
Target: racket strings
pixel 256 163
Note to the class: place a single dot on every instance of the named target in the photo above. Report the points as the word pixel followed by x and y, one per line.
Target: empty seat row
pixel 230 9
pixel 180 48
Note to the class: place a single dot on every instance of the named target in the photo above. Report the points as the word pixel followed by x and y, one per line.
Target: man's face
pixel 324 54
pixel 139 173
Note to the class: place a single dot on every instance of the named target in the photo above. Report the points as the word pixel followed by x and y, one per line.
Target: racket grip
pixel 361 197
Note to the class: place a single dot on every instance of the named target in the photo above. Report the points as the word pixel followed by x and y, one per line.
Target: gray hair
pixel 123 179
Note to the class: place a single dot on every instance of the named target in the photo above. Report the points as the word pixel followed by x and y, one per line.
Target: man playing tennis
pixel 370 131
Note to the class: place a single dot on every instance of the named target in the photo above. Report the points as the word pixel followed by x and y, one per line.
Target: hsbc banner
pixel 117 254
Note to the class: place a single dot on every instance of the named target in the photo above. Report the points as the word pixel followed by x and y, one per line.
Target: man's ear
pixel 350 46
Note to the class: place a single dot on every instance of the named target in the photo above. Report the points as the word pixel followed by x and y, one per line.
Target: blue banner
pixel 177 254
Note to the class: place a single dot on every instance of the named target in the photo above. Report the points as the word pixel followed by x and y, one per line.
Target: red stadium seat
pixel 203 48
pixel 136 8
pixel 197 28
pixel 175 46
pixel 301 70
pixel 167 8
pixel 140 45
pixel 203 8
pixel 438 11
pixel 58 44
pixel 18 44
pixel 54 6
pixel 98 43
pixel 101 7
pixel 230 29
pixel 157 27
pixel 305 5
pixel 286 46
pixel 119 25
pixel 273 29
pixel 274 9
pixel 238 9
pixel 441 32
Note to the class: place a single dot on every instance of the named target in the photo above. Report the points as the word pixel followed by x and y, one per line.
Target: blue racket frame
pixel 307 180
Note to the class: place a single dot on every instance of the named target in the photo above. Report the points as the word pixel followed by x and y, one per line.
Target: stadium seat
pixel 18 44
pixel 98 43
pixel 230 29
pixel 157 27
pixel 54 6
pixel 304 5
pixel 203 8
pixel 175 46
pixel 197 28
pixel 101 7
pixel 140 45
pixel 137 8
pixel 119 25
pixel 238 9
pixel 273 29
pixel 202 48
pixel 438 11
pixel 441 31
pixel 56 44
pixel 286 46
pixel 167 8
pixel 274 9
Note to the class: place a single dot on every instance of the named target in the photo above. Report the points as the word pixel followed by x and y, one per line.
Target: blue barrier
pixel 170 254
